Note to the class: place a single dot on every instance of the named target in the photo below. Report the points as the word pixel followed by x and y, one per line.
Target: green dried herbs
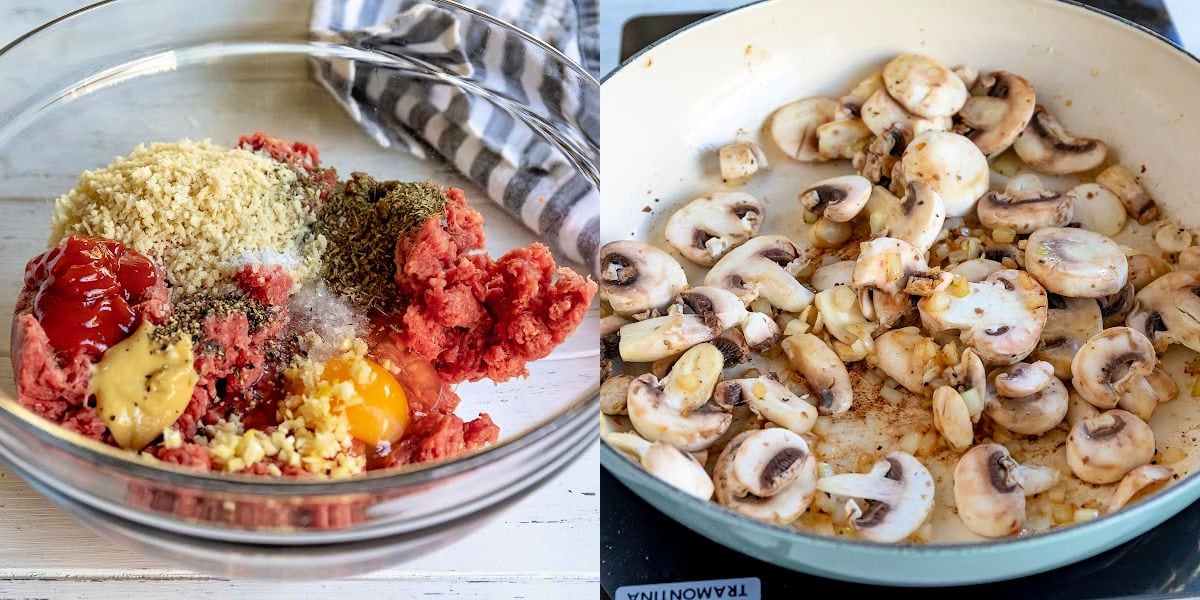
pixel 362 220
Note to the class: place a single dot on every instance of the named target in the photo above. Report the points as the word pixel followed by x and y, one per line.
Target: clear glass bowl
pixel 92 85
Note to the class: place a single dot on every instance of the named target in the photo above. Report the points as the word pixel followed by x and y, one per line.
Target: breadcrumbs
pixel 197 208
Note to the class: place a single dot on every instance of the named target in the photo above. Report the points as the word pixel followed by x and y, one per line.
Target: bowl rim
pixel 621 466
pixel 136 466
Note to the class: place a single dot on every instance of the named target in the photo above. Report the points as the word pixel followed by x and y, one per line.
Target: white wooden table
pixel 545 547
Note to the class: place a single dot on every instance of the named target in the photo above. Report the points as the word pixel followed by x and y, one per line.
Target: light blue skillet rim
pixel 1155 509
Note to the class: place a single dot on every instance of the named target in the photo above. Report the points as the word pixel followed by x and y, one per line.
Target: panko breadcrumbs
pixel 195 208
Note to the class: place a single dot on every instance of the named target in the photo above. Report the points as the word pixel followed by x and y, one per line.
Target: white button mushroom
pixel 952 418
pixel 666 462
pixel 923 86
pixel 1103 448
pixel 1001 317
pixel 990 489
pixel 1122 182
pixel 995 119
pixel 1113 368
pixel 896 495
pixel 907 356
pixel 769 475
pixel 1032 413
pixel 1168 310
pixel 1079 409
pixel 827 233
pixel 917 219
pixel 660 337
pixel 1188 260
pixel 842 138
pixel 637 278
pixel 720 308
pixel 1049 148
pixel 613 394
pixel 950 164
pixel 839 199
pixel 763 267
pixel 671 411
pixel 880 112
pixel 822 370
pixel 841 313
pixel 705 229
pixel 850 105
pixel 1171 236
pixel 832 275
pixel 879 161
pixel 793 127
pixel 1076 262
pixel 1138 481
pixel 768 397
pixel 1097 209
pixel 1144 269
pixel 740 162
pixel 976 269
pixel 885 264
pixel 1070 323
pixel 1025 206
pixel 610 342
pixel 968 74
pixel 1115 308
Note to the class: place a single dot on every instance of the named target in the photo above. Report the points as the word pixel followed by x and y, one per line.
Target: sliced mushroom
pixel 613 394
pixel 996 118
pixel 1001 317
pixel 832 275
pixel 885 264
pixel 880 112
pixel 1168 310
pixel 720 308
pixel 1034 413
pixel 1023 379
pixel 671 410
pixel 822 370
pixel 1049 148
pixel 879 161
pixel 774 462
pixel 1115 308
pixel 1138 203
pixel 950 164
pixel 1079 409
pixel 666 462
pixel 896 495
pixel 1105 447
pixel 763 267
pixel 793 127
pixel 1144 269
pixel 842 138
pixel 1097 209
pixel 906 356
pixel 1172 237
pixel 741 161
pixel 733 347
pixel 928 284
pixel 610 341
pixel 1076 262
pixel 660 337
pixel 1188 260
pixel 768 397
pixel 1025 206
pixel 952 418
pixel 923 86
pixel 976 269
pixel 839 199
pixel 850 105
pixel 917 219
pixel 990 489
pixel 827 233
pixel 839 309
pixel 636 278
pixel 1111 364
pixel 968 74
pixel 1069 326
pixel 1137 482
pixel 705 229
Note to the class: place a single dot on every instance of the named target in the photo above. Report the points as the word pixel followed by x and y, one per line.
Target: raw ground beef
pixel 474 316
pixel 298 155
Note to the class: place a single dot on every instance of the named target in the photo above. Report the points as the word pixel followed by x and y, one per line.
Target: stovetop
pixel 639 545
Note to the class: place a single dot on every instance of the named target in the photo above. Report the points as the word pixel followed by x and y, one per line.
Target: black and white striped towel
pixel 533 180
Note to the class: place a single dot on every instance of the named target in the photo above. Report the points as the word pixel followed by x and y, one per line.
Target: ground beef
pixel 476 317
pixel 299 155
pixel 189 455
pixel 268 284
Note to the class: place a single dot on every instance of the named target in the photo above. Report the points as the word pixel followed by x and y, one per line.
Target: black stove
pixel 640 545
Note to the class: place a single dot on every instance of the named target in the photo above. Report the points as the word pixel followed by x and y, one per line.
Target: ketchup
pixel 84 291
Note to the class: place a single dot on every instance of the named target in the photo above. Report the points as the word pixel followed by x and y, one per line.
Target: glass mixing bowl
pixel 90 86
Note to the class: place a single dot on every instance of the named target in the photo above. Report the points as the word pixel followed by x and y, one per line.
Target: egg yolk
pixel 382 416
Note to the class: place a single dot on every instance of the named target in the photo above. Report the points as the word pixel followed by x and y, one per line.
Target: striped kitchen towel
pixel 413 109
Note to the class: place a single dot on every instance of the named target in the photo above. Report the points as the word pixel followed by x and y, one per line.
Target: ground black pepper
pixel 191 312
pixel 362 220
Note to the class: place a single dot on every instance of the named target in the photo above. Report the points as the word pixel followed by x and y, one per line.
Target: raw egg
pixel 382 416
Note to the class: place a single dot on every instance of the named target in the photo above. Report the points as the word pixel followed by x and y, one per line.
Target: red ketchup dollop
pixel 84 291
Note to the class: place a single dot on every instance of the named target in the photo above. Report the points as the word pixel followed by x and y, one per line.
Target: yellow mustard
pixel 143 385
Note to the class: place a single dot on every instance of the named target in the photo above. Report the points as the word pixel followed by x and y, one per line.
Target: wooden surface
pixel 547 546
